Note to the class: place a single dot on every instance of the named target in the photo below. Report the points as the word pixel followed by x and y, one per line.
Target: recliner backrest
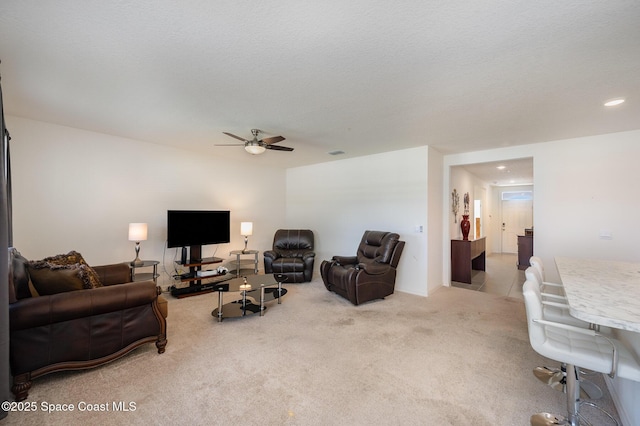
pixel 293 242
pixel 377 246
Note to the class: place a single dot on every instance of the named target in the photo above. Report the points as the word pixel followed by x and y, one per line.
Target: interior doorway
pixel 517 215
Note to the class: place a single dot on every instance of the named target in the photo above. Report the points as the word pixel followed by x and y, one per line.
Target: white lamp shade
pixel 137 232
pixel 246 228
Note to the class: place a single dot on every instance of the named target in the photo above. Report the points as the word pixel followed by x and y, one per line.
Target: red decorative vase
pixel 465 225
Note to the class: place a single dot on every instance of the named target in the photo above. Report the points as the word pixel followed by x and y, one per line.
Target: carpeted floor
pixel 455 358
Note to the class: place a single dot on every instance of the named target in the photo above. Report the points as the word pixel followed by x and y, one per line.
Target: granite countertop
pixel 602 291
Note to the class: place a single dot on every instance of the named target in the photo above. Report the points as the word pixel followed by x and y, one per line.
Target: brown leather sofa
pixel 370 274
pixel 292 255
pixel 81 328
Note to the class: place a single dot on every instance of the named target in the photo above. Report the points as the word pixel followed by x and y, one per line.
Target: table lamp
pixel 137 233
pixel 246 229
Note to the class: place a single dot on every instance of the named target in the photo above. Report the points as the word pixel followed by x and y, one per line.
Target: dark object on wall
pixel 370 274
pixel 6 241
pixel 292 255
pixel 79 329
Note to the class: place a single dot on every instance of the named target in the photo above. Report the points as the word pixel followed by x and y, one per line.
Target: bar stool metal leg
pixel 573 404
pixel 555 379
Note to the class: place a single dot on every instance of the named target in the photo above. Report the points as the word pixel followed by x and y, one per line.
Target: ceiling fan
pixel 258 146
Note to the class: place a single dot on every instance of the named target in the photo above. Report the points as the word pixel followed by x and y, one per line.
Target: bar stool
pixel 574 346
pixel 551 288
pixel 555 309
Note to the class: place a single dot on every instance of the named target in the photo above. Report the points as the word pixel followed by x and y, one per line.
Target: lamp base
pixel 137 261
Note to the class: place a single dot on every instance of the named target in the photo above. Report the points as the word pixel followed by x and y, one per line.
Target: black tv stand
pixel 197 289
pixel 198 285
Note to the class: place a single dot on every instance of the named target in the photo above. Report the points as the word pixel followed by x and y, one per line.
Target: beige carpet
pixel 458 357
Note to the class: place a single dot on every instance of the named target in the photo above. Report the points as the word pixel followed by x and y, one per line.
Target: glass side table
pixel 239 262
pixel 145 275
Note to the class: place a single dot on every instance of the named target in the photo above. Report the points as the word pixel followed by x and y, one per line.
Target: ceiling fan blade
pixel 274 139
pixel 237 137
pixel 278 148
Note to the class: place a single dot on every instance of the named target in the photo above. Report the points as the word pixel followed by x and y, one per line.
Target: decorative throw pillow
pixel 50 279
pixel 72 258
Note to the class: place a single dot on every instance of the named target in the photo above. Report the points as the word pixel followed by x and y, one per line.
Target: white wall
pixel 339 200
pixel 585 186
pixel 582 186
pixel 78 190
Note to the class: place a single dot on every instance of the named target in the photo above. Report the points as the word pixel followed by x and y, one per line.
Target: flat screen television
pixel 187 228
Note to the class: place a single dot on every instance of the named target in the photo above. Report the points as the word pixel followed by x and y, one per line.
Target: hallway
pixel 502 277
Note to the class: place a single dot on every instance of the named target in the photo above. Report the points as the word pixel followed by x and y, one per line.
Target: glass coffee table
pixel 267 287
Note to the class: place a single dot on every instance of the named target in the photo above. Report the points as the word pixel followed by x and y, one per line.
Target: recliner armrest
pixel 373 268
pixel 308 255
pixel 345 260
pixel 271 254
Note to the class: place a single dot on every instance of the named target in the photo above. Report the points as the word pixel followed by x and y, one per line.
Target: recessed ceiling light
pixel 614 102
pixel 501 167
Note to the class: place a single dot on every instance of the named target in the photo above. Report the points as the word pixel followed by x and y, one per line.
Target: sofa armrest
pixel 116 273
pixel 43 310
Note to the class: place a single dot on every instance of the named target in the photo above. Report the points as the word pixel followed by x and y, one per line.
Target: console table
pixel 467 255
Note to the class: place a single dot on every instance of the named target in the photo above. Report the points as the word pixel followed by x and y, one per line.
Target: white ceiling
pixel 361 76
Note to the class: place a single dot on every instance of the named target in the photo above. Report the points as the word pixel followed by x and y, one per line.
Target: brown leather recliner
pixel 82 328
pixel 370 274
pixel 292 255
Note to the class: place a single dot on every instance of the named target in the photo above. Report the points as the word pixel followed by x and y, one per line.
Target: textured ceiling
pixel 362 76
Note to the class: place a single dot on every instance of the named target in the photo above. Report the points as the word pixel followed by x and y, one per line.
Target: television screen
pixel 197 227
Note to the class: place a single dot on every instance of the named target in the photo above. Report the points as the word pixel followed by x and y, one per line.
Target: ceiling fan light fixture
pixel 614 102
pixel 254 149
